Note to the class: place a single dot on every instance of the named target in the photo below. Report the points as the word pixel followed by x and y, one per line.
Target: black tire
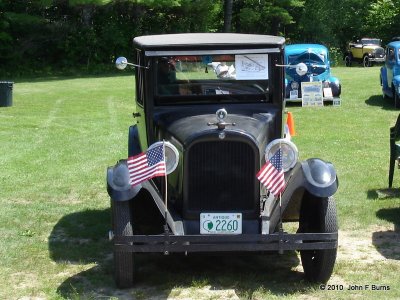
pixel 366 62
pixel 318 215
pixel 396 99
pixel 123 261
pixel 347 61
pixel 384 96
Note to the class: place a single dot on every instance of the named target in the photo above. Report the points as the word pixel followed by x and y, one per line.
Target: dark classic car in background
pixel 390 73
pixel 215 102
pixel 309 63
pixel 366 51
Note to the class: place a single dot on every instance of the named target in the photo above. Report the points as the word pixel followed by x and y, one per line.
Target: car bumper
pixel 167 243
pixel 333 101
pixel 377 59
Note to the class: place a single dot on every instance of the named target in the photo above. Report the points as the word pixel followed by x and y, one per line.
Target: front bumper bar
pixel 166 243
pixel 335 100
pixel 377 59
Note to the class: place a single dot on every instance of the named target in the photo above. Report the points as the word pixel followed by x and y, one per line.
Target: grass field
pixel 60 135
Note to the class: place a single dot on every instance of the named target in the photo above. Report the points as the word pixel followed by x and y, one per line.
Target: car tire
pixel 384 96
pixel 396 99
pixel 366 62
pixel 123 261
pixel 347 61
pixel 318 215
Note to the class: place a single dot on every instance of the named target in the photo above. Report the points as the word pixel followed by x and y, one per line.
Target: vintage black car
pixel 215 101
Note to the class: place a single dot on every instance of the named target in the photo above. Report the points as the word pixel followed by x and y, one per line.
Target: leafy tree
pixel 266 17
pixel 383 19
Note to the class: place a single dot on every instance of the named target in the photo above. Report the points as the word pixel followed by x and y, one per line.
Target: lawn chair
pixel 394 149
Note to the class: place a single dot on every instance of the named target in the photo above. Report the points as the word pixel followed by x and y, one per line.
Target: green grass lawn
pixel 60 135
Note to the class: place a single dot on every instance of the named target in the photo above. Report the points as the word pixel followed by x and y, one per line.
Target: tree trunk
pixel 228 4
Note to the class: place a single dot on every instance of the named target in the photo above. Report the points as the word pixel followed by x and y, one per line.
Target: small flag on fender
pixel 271 174
pixel 147 165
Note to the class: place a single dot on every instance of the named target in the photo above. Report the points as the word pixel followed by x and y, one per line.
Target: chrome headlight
pixel 171 156
pixel 294 85
pixel 289 152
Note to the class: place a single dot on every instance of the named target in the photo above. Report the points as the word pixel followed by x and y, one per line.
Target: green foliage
pixel 60 36
pixel 87 35
pixel 336 56
pixel 266 17
pixel 383 19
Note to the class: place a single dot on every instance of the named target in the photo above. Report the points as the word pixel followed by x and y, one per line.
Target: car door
pixel 357 51
pixel 390 63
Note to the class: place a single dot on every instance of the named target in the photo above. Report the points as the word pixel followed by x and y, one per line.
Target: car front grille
pixel 220 176
pixel 379 52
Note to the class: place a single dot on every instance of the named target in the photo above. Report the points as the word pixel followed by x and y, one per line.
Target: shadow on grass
pixel 377 100
pixel 383 194
pixel 388 242
pixel 80 238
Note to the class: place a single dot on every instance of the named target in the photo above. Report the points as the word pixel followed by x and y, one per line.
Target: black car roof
pixel 206 40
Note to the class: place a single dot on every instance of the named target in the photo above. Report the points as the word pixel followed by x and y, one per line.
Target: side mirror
pixel 121 63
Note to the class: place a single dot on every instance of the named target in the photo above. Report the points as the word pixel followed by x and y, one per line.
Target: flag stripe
pixel 135 177
pixel 271 174
pixel 147 165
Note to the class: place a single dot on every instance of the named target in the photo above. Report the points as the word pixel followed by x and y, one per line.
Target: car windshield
pixel 212 78
pixel 316 62
pixel 371 42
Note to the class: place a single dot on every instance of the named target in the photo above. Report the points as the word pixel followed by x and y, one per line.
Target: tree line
pixel 47 37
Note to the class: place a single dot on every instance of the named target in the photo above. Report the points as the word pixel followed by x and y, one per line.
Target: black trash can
pixel 6 88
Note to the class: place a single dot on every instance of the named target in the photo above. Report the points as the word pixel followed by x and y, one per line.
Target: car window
pixel 390 54
pixel 371 42
pixel 209 78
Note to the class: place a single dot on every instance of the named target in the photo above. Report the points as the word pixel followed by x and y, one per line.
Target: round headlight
pixel 289 152
pixel 294 85
pixel 301 69
pixel 171 156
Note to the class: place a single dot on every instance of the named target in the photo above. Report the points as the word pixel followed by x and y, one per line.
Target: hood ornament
pixel 221 115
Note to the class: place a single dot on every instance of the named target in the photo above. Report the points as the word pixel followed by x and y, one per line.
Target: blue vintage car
pixel 390 73
pixel 309 63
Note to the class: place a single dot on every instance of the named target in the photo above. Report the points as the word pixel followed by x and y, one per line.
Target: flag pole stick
pixel 166 192
pixel 280 224
pixel 280 212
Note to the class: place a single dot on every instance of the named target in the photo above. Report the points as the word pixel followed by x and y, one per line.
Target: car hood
pixel 187 129
pixel 316 61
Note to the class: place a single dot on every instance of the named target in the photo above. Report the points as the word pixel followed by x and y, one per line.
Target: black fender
pixel 315 176
pixel 118 186
pixel 320 177
pixel 133 141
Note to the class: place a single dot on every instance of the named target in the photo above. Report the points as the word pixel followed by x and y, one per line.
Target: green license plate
pixel 220 223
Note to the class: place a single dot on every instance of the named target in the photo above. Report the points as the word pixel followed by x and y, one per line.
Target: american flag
pixel 271 174
pixel 146 165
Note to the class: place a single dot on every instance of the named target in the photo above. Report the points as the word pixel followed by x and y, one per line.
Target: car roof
pixel 206 40
pixel 300 48
pixel 395 44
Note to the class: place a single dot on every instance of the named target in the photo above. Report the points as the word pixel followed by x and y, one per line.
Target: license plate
pixel 220 223
pixel 294 94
